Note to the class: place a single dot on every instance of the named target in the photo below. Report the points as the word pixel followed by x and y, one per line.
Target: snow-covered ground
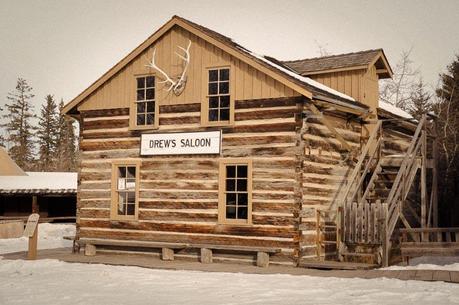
pixel 450 263
pixel 49 236
pixel 54 282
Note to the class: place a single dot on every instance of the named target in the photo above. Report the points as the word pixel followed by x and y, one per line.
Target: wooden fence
pixel 363 223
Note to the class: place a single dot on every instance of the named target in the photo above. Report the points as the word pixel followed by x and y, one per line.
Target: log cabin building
pixel 192 145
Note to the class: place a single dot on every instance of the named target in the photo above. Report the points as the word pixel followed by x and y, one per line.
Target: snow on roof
pixel 40 182
pixel 394 110
pixel 301 78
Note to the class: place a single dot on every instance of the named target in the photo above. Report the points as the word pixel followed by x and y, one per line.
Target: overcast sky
pixel 60 47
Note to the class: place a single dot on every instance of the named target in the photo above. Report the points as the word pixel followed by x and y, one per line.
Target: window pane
pixel 122 199
pixel 230 198
pixel 224 88
pixel 141 82
pixel 231 171
pixel 224 74
pixel 150 119
pixel 213 75
pixel 224 101
pixel 224 115
pixel 242 199
pixel 150 94
pixel 131 172
pixel 121 184
pixel 213 88
pixel 150 81
pixel 121 209
pixel 241 185
pixel 122 172
pixel 140 95
pixel 231 212
pixel 151 107
pixel 242 171
pixel 230 185
pixel 131 197
pixel 140 107
pixel 130 209
pixel 213 115
pixel 141 119
pixel 242 212
pixel 213 102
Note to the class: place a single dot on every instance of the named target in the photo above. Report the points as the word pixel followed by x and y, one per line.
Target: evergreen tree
pixel 48 132
pixel 447 109
pixel 420 102
pixel 18 126
pixel 66 143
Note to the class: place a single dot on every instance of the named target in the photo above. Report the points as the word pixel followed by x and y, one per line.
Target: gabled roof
pixel 303 85
pixel 342 62
pixel 7 166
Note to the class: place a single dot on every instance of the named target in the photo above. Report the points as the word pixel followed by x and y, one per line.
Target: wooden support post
pixel 35 208
pixel 434 192
pixel 206 256
pixel 318 244
pixel 31 231
pixel 167 254
pixel 385 235
pixel 33 244
pixel 424 179
pixel 89 250
pixel 262 259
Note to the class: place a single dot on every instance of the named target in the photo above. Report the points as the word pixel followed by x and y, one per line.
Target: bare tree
pixel 398 90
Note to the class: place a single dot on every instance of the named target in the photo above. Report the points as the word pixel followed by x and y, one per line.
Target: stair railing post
pixel 385 237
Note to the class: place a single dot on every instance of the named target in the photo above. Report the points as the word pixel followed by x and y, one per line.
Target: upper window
pixel 145 102
pixel 125 191
pixel 235 191
pixel 219 95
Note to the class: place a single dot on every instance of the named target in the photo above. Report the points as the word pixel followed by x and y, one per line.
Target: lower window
pixel 235 204
pixel 125 190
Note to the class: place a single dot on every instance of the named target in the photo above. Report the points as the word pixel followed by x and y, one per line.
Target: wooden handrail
pixel 362 157
pixel 400 183
pixel 406 160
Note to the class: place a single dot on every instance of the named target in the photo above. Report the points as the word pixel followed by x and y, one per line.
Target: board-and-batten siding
pixel 360 84
pixel 120 90
pixel 179 194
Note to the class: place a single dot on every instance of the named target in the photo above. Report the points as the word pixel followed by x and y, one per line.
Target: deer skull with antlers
pixel 178 84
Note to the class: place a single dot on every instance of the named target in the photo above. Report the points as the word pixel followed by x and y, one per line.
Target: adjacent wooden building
pixel 194 145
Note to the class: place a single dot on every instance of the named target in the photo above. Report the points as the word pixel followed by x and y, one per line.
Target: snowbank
pixel 53 282
pixel 49 236
pixel 450 263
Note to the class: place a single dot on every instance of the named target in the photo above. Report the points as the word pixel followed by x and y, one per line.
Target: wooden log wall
pixel 325 172
pixel 179 194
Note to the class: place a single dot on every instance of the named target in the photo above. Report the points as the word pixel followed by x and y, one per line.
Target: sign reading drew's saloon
pixel 206 142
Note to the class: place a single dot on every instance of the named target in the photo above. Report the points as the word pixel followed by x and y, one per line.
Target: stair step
pixel 358 254
pixel 335 265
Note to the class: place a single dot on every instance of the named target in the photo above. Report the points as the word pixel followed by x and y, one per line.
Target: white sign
pixel 186 143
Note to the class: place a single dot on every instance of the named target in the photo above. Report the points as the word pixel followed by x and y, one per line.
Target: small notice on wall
pixel 31 225
pixel 186 143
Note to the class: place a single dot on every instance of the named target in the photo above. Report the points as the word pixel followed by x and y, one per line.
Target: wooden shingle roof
pixel 348 61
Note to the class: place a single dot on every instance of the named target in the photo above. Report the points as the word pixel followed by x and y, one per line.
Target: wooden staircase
pixel 372 203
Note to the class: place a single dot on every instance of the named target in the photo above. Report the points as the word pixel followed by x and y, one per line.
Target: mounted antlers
pixel 178 85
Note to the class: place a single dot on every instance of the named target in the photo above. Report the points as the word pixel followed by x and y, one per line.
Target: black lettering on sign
pixel 201 142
